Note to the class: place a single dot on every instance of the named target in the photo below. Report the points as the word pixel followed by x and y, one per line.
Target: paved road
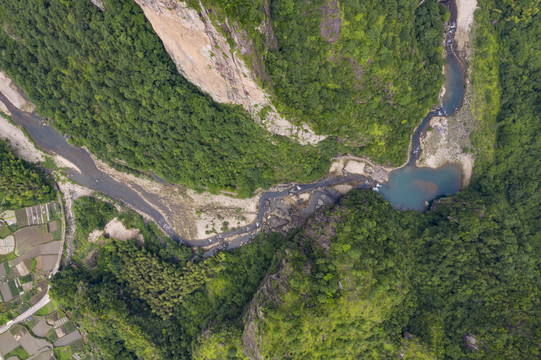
pixel 44 301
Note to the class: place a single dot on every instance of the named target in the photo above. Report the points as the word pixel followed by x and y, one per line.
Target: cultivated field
pixel 27 238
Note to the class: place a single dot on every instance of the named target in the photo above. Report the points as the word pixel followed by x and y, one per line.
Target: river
pixel 408 187
pixel 412 187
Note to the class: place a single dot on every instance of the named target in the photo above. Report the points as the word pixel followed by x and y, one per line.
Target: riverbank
pixel 204 219
pixel 447 140
pixel 464 23
pixel 22 146
pixel 11 91
pixel 26 149
pixel 194 216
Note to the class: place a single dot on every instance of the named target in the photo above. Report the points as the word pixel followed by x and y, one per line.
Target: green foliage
pixel 366 71
pixel 21 184
pixel 361 280
pixel 4 229
pixel 18 352
pixel 155 241
pixel 329 290
pixel 25 279
pixel 91 214
pixel 485 82
pixel 63 353
pixel 139 296
pixel 106 79
pixel 162 286
pixel 47 309
pixel 469 270
pixel 222 343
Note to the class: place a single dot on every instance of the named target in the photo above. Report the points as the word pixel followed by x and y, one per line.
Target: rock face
pixel 273 286
pixel 203 56
pixel 98 3
pixel 471 342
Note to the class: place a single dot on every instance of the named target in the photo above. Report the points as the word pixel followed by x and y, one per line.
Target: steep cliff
pixel 203 56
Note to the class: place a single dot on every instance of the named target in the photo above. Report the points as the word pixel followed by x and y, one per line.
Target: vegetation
pixel 355 285
pixel 220 343
pixel 19 353
pixel 91 214
pixel 21 184
pixel 105 79
pixel 366 71
pixel 485 82
pixel 459 282
pixel 133 321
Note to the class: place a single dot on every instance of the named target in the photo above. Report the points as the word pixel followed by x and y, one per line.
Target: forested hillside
pixel 105 79
pixel 166 302
pixel 21 183
pixel 459 282
pixel 366 71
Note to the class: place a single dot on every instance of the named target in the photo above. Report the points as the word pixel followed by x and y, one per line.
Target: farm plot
pixel 68 339
pixel 27 238
pixel 22 219
pixel 46 262
pixel 4 229
pixel 52 248
pixel 7 245
pixel 6 292
pixel 9 217
pixel 7 343
pixel 55 229
pixel 46 236
pixel 35 214
pixel 41 328
pixel 30 343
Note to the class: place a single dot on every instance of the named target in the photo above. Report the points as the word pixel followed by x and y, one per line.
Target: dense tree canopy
pixel 367 71
pixel 20 182
pixel 461 281
pixel 91 214
pixel 105 79
pixel 151 305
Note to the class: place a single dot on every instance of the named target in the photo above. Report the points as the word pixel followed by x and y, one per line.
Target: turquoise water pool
pixel 410 187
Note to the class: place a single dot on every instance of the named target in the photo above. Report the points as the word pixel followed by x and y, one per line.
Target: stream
pixel 409 187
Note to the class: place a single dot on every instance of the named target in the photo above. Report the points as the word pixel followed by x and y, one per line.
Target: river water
pixel 50 140
pixel 408 187
pixel 412 187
